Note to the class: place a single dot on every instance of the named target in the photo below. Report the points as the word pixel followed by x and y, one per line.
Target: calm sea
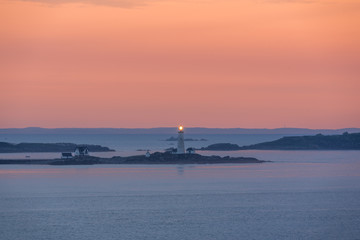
pixel 300 195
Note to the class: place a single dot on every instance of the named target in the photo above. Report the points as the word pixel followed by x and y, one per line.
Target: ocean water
pixel 299 195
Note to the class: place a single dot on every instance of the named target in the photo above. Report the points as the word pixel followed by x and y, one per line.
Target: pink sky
pixel 215 63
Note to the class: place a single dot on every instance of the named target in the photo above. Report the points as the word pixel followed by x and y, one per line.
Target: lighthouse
pixel 181 145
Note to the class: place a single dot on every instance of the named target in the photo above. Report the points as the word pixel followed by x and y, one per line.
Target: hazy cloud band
pixel 112 3
pixel 136 3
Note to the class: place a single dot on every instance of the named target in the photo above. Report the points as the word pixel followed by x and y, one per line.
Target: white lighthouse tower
pixel 181 145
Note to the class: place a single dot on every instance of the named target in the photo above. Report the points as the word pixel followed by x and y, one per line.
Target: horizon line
pixel 252 128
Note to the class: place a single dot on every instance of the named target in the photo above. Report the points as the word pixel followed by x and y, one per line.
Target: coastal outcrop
pixel 6 147
pixel 155 158
pixel 346 141
pixel 222 147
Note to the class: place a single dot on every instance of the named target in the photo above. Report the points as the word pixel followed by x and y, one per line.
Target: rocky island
pixel 155 158
pixel 174 139
pixel 346 141
pixel 6 147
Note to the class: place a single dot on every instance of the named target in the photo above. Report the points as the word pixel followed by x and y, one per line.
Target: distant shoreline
pixel 6 147
pixel 170 131
pixel 346 141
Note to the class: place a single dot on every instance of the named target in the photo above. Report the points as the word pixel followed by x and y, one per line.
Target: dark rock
pixel 222 147
pixel 155 158
pixel 48 147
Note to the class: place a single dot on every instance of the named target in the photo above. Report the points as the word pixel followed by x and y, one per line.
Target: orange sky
pixel 210 63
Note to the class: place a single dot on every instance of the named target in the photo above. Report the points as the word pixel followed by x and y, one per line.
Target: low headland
pixel 6 147
pixel 346 141
pixel 155 158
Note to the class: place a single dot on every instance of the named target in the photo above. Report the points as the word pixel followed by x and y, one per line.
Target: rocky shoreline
pixel 6 147
pixel 155 158
pixel 346 141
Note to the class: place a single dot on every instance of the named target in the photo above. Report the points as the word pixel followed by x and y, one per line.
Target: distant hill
pixel 172 130
pixel 346 141
pixel 47 147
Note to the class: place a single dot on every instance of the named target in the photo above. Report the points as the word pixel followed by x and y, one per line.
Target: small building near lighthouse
pixel 180 143
pixel 81 151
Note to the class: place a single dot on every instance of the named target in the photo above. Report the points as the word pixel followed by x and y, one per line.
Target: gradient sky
pixel 210 63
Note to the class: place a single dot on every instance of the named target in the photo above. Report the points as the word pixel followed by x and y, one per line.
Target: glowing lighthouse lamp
pixel 180 144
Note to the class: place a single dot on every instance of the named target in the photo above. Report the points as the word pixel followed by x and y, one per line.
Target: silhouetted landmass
pixel 186 139
pixel 346 141
pixel 222 147
pixel 48 147
pixel 155 158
